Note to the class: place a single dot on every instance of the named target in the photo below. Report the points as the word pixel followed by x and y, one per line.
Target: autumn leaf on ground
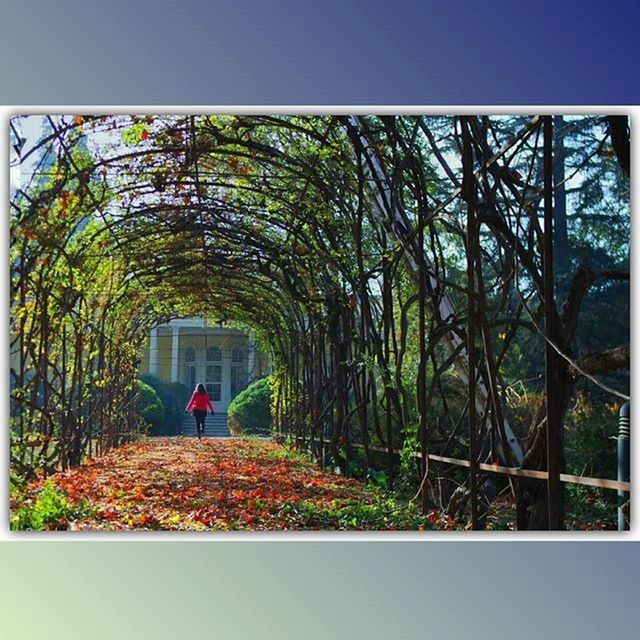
pixel 222 484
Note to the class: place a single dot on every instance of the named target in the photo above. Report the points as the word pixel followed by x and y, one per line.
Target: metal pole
pixel 468 194
pixel 554 415
pixel 624 462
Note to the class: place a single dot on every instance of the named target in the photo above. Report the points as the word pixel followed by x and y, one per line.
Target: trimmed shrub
pixel 250 410
pixel 174 397
pixel 150 408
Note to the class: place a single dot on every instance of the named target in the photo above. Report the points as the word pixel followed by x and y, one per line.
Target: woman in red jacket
pixel 199 403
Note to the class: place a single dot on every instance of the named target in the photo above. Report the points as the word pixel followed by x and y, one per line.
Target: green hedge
pixel 173 397
pixel 250 410
pixel 150 408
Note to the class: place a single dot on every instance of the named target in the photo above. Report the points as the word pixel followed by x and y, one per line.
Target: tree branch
pixel 604 362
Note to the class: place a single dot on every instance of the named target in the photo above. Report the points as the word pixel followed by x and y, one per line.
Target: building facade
pixel 189 351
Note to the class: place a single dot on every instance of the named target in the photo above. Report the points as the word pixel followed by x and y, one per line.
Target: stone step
pixel 215 425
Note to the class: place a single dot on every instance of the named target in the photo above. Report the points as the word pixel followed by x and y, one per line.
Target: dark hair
pixel 200 389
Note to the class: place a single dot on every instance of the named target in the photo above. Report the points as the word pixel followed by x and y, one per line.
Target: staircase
pixel 214 426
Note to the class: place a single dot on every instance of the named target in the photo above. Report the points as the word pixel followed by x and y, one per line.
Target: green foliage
pixel 590 437
pixel 498 525
pixel 174 397
pixel 289 453
pixel 378 478
pixel 384 512
pixel 150 407
pixel 250 410
pixel 138 132
pixel 408 468
pixel 374 477
pixel 50 511
pixel 355 469
pixel 16 482
pixel 590 508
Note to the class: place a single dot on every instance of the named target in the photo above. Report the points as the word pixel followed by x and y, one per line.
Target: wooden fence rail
pixel 515 472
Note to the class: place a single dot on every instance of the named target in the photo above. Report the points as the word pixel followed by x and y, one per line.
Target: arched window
pixel 190 355
pixel 237 355
pixel 214 354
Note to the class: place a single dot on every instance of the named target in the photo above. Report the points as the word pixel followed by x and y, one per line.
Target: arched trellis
pixel 323 234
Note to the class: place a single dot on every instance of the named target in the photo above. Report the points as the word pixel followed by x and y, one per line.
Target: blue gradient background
pixel 330 52
pixel 222 53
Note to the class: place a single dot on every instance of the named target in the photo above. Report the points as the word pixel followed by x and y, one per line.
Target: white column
pixel 225 395
pixel 251 350
pixel 175 353
pixel 153 352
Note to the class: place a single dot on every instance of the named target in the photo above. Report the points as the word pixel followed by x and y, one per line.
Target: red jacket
pixel 199 401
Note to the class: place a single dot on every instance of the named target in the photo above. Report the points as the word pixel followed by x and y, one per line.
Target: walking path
pixel 220 484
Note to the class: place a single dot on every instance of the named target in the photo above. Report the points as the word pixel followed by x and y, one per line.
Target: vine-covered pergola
pixel 394 266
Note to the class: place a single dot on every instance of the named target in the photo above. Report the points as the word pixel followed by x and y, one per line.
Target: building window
pixel 190 367
pixel 213 382
pixel 214 354
pixel 238 375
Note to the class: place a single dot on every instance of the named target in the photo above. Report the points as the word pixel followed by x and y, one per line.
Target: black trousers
pixel 199 415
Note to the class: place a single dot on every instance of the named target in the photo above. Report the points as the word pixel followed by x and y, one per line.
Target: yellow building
pixel 188 351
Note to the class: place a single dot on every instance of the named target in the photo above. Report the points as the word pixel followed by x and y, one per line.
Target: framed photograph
pixel 274 321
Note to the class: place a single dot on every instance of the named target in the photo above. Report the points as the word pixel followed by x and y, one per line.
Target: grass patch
pixel 383 512
pixel 50 511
